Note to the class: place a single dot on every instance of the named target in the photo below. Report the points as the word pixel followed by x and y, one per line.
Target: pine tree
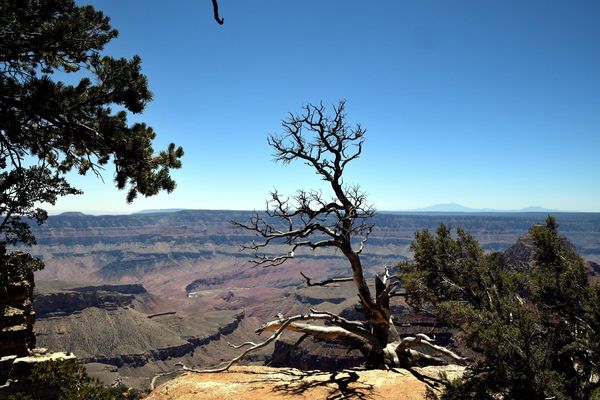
pixel 49 127
pixel 536 329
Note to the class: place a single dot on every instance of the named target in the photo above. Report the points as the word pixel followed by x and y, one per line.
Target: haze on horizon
pixel 489 105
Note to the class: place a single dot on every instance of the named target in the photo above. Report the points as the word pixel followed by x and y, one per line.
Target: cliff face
pixel 18 355
pixel 520 256
pixel 17 317
pixel 106 297
pixel 146 355
pixel 103 324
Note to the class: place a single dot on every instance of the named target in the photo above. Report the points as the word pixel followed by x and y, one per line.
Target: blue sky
pixel 484 103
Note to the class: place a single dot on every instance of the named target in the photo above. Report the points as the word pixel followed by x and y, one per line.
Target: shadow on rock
pixel 340 385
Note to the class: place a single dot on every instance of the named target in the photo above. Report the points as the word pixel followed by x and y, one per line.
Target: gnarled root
pixel 405 350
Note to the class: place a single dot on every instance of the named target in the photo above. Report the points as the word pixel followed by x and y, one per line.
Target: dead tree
pixel 310 220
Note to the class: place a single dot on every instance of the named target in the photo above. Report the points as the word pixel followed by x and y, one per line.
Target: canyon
pixel 133 295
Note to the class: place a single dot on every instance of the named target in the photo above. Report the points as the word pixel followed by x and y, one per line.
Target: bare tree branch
pixel 343 328
pixel 160 375
pixel 422 339
pixel 239 346
pixel 326 282
pixel 216 12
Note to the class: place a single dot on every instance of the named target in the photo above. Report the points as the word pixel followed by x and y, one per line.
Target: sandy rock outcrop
pixel 259 383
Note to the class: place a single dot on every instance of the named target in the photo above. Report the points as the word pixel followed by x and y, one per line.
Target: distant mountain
pixel 72 214
pixel 537 209
pixel 454 207
pixel 160 210
pixel 449 207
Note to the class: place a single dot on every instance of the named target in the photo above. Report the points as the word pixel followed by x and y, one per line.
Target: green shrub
pixel 68 380
pixel 536 328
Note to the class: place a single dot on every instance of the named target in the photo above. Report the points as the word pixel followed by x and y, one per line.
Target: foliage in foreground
pixel 58 91
pixel 537 328
pixel 68 380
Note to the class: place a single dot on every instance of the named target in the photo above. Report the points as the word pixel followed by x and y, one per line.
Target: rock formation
pixel 258 383
pixel 16 324
pixel 18 355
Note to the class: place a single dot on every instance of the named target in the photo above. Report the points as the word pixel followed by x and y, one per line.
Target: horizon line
pixel 382 211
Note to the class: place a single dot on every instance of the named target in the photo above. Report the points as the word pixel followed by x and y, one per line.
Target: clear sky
pixel 484 103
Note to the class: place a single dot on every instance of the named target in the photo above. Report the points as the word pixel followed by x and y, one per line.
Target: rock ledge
pixel 259 383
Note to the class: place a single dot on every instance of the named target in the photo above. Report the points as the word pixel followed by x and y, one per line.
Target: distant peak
pixel 446 207
pixel 455 207
pixel 72 214
pixel 160 210
pixel 536 209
